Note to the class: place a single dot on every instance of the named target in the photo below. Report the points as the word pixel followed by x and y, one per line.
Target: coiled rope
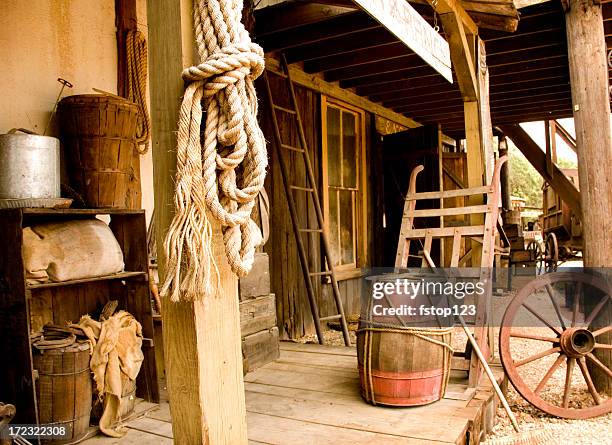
pixel 225 170
pixel 137 67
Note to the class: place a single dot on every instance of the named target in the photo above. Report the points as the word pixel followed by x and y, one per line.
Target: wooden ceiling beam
pixel 377 93
pixel 423 98
pixel 463 50
pixel 356 58
pixel 370 38
pixel 395 80
pixel 455 7
pixel 439 104
pixel 455 112
pixel 532 54
pixel 289 15
pixel 407 62
pixel 521 43
pixel 519 98
pixel 378 79
pixel 377 67
pixel 341 26
pixel 528 24
pixel 528 67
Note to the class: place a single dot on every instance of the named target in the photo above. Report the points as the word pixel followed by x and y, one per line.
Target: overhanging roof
pixel 529 74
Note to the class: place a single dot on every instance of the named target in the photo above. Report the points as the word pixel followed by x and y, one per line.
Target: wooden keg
pixel 99 137
pixel 403 366
pixel 64 389
pixel 403 359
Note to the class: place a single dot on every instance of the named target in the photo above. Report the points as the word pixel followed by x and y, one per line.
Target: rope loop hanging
pixel 222 170
pixel 137 67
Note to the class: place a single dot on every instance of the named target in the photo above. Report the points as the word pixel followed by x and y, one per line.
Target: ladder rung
pixel 286 110
pixel 311 230
pixel 331 317
pixel 292 148
pixel 304 189
pixel 321 274
pixel 277 73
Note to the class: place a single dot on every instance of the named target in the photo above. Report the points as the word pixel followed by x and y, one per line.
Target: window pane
pixel 332 224
pixel 346 226
pixel 349 150
pixel 333 145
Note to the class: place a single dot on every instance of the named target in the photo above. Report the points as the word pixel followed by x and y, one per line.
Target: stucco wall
pixel 41 40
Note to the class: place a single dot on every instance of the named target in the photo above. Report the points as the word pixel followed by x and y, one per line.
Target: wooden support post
pixel 591 101
pixel 506 190
pixel 586 46
pixel 201 339
pixel 469 59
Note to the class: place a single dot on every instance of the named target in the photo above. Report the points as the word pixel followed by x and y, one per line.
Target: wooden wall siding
pixel 454 166
pixel 286 279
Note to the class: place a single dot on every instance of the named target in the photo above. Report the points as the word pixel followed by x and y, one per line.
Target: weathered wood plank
pixel 280 430
pixel 362 417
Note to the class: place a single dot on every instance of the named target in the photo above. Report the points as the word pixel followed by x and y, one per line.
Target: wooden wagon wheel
pixel 568 338
pixel 551 253
pixel 536 254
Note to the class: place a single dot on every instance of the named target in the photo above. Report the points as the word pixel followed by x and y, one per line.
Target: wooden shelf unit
pixel 25 307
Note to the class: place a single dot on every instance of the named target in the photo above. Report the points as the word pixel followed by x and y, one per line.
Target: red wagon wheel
pixel 551 257
pixel 565 338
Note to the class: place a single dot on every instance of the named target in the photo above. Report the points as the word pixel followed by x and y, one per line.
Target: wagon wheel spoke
pixel 597 310
pixel 542 319
pixel 602 331
pixel 537 356
pixel 568 381
pixel 576 304
pixel 549 373
pixel 534 337
pixel 599 364
pixel 602 346
pixel 589 381
pixel 551 291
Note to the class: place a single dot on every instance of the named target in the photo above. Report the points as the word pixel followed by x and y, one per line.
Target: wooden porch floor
pixel 310 395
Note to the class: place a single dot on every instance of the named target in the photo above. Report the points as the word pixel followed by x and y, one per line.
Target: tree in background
pixel 525 181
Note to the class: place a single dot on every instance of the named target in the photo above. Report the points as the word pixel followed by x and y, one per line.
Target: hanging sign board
pixel 407 25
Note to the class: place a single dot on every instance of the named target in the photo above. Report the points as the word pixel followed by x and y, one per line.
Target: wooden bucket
pixel 99 136
pixel 403 366
pixel 63 389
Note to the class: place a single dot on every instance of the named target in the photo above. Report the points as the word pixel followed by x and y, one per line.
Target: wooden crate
pixel 257 314
pixel 23 306
pixel 260 348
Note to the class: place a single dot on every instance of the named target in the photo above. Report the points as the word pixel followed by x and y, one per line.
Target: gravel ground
pixel 597 431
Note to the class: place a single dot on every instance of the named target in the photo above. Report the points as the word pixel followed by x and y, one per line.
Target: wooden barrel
pixel 63 389
pixel 99 136
pixel 403 366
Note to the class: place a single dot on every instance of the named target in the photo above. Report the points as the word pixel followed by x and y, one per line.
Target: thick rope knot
pixel 227 66
pixel 223 171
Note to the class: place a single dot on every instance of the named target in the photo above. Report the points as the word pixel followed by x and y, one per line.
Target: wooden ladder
pixel 311 191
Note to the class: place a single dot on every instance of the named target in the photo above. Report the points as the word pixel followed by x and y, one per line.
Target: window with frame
pixel 343 176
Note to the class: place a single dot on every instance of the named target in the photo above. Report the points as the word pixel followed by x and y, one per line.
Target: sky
pixel 537 133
